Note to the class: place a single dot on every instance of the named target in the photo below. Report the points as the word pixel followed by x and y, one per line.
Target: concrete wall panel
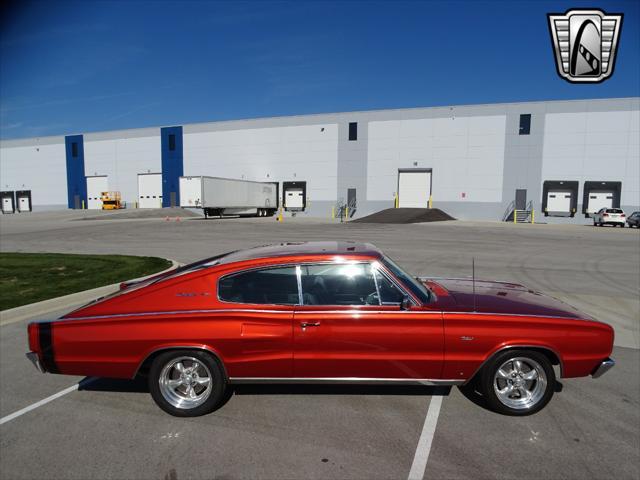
pixel 304 153
pixel 41 168
pixel 122 160
pixel 466 155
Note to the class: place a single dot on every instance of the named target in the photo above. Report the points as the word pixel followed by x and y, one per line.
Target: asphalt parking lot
pixel 112 429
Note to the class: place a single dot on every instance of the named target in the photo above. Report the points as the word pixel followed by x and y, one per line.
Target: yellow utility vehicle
pixel 111 201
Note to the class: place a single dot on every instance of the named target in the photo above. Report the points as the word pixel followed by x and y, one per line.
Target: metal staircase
pixel 343 210
pixel 519 216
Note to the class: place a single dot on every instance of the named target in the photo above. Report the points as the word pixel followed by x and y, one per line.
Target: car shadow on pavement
pixel 100 384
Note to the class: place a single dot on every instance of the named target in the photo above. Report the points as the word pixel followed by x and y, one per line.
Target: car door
pixel 350 325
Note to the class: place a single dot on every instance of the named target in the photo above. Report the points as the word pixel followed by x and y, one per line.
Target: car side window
pixel 273 286
pixel 389 293
pixel 339 284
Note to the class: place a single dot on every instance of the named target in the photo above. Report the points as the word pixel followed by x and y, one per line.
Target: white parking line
pixel 419 464
pixel 44 401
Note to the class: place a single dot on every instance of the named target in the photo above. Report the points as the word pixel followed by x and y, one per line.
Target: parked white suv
pixel 611 216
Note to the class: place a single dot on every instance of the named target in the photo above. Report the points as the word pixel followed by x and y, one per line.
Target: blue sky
pixel 78 67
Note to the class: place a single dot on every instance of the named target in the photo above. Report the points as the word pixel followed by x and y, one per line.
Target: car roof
pixel 292 249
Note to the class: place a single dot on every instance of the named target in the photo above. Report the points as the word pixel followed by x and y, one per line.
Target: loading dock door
pixel 294 198
pixel 7 205
pixel 149 190
pixel 23 204
pixel 414 189
pixel 559 201
pixel 598 200
pixel 95 187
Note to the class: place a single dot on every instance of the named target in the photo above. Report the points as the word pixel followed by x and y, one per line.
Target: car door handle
pixel 309 324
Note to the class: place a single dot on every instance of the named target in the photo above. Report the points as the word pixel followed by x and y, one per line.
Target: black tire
pixel 543 387
pixel 218 384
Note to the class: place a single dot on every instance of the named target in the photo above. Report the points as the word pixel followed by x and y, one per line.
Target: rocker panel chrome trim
pixel 345 380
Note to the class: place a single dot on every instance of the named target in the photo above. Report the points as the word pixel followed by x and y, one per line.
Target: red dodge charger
pixel 323 312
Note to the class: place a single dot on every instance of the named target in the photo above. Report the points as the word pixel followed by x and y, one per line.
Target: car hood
pixel 497 297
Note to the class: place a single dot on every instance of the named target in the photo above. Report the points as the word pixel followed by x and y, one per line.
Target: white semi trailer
pixel 228 196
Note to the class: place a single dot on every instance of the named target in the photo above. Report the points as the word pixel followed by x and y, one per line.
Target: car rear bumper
pixel 33 358
pixel 603 368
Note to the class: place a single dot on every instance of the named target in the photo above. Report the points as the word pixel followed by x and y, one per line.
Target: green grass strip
pixel 31 277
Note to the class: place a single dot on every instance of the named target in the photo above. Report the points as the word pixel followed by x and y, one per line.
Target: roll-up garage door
pixel 149 190
pixel 414 189
pixel 95 187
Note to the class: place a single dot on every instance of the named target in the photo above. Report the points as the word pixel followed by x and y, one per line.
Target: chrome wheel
pixel 520 383
pixel 185 382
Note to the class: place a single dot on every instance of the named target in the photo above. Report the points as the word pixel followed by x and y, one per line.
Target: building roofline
pixel 47 138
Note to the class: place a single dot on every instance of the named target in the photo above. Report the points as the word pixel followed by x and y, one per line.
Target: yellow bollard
pixel 82 204
pixel 395 200
pixel 533 216
pixel 333 212
pixel 280 217
pixel 346 213
pixel 515 215
pixel 430 201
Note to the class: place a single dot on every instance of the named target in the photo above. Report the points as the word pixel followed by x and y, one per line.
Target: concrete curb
pixel 18 314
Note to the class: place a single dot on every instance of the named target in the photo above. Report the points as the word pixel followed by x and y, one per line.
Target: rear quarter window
pixel 268 286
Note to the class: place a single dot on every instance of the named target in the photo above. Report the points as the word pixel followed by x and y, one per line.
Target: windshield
pixel 419 290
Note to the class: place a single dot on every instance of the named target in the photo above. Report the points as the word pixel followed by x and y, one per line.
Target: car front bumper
pixel 33 358
pixel 604 367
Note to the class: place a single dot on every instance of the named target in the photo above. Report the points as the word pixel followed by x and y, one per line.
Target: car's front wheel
pixel 518 382
pixel 186 383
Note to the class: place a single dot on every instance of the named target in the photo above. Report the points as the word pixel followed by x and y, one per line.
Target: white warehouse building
pixel 562 159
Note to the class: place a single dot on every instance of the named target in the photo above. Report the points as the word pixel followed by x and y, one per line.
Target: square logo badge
pixel 585 43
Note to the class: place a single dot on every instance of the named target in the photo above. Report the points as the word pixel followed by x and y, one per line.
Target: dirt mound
pixel 406 215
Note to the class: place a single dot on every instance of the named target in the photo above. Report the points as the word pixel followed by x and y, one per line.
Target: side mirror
pixel 406 303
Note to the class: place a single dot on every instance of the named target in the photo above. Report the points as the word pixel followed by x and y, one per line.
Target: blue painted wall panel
pixel 76 180
pixel 172 164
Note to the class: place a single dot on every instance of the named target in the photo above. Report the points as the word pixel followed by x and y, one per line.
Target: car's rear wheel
pixel 186 383
pixel 518 382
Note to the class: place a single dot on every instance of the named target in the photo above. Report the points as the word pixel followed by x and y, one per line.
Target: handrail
pixel 507 212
